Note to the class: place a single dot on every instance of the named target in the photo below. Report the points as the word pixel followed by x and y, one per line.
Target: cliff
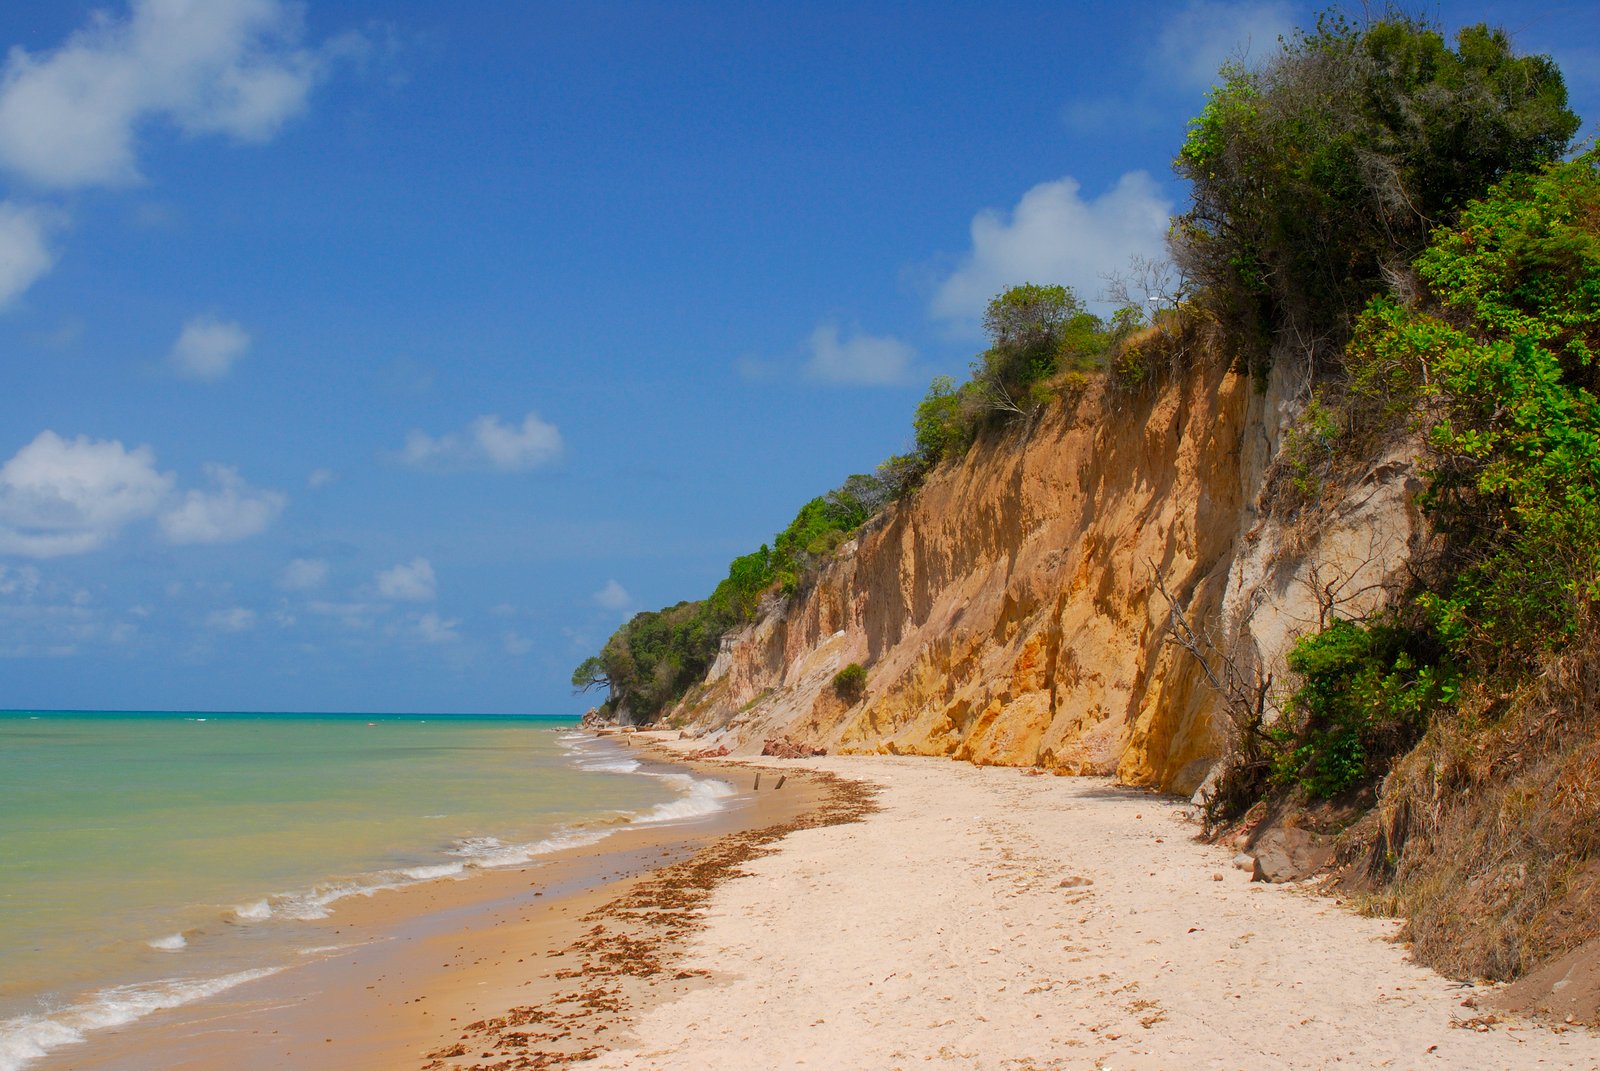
pixel 1012 611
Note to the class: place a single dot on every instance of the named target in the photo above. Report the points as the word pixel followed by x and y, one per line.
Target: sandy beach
pixel 984 918
pixel 877 913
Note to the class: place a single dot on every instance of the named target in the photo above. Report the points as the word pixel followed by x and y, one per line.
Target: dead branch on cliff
pixel 1244 696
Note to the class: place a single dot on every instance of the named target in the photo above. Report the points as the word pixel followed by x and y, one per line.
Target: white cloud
pixel 234 619
pixel 232 512
pixel 69 496
pixel 1205 34
pixel 303 574
pixel 207 348
pixel 321 478
pixel 1054 235
pixel 70 117
pixel 516 644
pixel 612 597
pixel 487 443
pixel 408 582
pixel 25 254
pixel 431 628
pixel 860 358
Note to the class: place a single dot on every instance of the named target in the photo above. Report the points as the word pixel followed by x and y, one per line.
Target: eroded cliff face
pixel 1010 611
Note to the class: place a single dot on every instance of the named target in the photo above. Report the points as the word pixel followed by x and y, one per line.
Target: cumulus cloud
pixel 487 443
pixel 233 619
pixel 234 510
pixel 69 496
pixel 612 597
pixel 303 574
pixel 25 254
pixel 1055 235
pixel 69 118
pixel 859 358
pixel 1205 34
pixel 207 348
pixel 411 581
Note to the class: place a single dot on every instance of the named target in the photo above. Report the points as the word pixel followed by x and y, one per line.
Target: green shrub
pixel 1366 694
pixel 851 682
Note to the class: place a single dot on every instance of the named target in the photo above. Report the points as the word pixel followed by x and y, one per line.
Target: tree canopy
pixel 1317 178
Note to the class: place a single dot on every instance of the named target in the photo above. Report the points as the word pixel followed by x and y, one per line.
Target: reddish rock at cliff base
pixel 720 751
pixel 784 747
pixel 1289 855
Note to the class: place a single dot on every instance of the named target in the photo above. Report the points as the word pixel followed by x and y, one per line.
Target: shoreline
pixel 891 913
pixel 398 970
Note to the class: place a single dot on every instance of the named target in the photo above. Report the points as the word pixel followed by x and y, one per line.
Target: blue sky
pixel 369 356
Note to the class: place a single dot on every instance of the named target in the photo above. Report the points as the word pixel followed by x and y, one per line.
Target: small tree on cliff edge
pixel 1317 178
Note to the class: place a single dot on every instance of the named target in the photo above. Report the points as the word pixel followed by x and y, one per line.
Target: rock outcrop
pixel 1012 610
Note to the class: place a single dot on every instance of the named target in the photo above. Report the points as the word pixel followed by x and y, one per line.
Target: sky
pixel 374 356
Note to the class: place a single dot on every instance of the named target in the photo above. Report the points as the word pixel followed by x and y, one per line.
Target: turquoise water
pixel 148 858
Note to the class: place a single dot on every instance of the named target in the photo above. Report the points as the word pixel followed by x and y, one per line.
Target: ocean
pixel 151 859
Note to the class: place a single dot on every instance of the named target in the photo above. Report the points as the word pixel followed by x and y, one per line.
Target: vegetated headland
pixel 1309 529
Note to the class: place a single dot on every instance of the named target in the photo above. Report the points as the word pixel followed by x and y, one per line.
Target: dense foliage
pixel 1498 366
pixel 1317 178
pixel 1368 691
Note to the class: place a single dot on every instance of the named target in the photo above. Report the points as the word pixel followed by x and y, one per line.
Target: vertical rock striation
pixel 1009 611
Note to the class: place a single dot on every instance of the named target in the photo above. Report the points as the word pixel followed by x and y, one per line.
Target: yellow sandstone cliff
pixel 1009 612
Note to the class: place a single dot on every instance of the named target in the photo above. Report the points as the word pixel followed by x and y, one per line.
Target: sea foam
pixel 29 1037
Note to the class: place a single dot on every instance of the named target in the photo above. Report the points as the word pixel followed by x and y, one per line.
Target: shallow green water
pixel 159 846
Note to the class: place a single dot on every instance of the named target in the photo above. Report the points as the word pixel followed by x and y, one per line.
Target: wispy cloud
pixel 303 574
pixel 487 443
pixel 25 253
pixel 233 619
pixel 1204 34
pixel 411 581
pixel 207 348
pixel 612 597
pixel 1056 235
pixel 431 628
pixel 858 358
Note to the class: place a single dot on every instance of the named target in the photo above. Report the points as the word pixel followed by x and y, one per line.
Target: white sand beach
pixel 985 918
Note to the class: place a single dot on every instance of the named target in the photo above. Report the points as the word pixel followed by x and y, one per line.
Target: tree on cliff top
pixel 1317 178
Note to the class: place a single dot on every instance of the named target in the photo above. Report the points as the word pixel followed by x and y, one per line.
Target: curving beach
pixel 984 918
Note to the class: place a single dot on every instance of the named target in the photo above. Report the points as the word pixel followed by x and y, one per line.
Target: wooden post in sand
pixel 758 781
pixel 781 780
